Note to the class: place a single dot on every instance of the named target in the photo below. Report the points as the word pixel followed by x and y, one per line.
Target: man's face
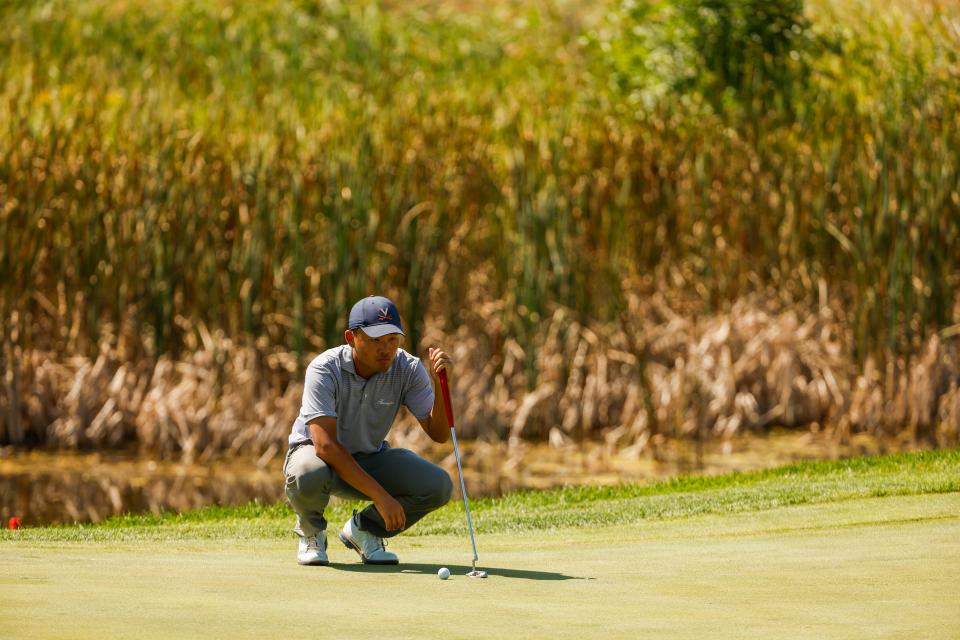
pixel 373 355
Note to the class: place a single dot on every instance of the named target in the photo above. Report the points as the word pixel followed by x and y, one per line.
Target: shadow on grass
pixel 456 570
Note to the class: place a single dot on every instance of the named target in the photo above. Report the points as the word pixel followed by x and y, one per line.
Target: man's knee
pixel 444 490
pixel 312 482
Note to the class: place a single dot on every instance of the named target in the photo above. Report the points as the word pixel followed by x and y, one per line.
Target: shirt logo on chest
pixel 384 403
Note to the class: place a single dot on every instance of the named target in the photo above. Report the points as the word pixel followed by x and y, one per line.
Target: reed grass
pixel 658 377
pixel 197 191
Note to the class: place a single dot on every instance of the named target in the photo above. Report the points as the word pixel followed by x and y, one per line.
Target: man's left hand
pixel 439 360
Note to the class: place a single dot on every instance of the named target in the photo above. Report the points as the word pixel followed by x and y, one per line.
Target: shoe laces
pixel 376 542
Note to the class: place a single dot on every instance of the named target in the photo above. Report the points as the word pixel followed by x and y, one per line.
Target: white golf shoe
pixel 313 550
pixel 370 547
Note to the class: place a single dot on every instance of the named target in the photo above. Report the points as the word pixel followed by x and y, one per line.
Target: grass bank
pixel 526 511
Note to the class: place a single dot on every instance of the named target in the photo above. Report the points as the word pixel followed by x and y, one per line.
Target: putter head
pixel 477 574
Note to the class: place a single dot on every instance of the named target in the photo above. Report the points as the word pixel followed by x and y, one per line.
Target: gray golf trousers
pixel 417 484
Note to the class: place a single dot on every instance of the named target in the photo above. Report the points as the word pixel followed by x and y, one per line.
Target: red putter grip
pixel 445 388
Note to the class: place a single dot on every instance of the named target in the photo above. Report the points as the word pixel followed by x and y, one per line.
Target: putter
pixel 448 405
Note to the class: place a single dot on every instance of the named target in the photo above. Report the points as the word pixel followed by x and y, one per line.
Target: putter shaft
pixel 448 405
pixel 463 492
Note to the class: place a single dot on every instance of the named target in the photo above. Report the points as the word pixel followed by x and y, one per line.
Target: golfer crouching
pixel 351 397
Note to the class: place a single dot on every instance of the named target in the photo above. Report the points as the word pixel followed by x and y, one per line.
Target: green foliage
pixel 807 149
pixel 712 55
pixel 752 47
pixel 256 168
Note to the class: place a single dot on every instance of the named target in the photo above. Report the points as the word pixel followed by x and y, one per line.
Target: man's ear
pixel 349 337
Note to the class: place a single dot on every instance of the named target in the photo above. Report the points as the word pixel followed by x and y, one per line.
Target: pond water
pixel 54 487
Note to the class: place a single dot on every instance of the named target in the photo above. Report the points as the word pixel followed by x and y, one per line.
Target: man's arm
pixel 436 425
pixel 323 432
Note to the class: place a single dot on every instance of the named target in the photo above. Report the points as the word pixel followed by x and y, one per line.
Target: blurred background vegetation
pixel 175 173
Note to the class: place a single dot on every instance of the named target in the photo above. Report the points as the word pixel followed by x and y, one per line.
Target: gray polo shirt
pixel 364 409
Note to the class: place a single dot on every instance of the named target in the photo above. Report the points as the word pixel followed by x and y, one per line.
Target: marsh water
pixel 55 487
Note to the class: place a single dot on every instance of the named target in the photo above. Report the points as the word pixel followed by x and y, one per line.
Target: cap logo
pixel 384 314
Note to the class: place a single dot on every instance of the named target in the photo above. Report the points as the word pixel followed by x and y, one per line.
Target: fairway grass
pixel 858 566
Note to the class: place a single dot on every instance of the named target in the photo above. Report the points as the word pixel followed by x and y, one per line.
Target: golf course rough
pixel 732 560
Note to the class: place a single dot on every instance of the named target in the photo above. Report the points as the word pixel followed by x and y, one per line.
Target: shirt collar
pixel 347 356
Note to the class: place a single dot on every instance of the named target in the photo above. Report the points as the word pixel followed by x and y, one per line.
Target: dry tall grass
pixel 658 375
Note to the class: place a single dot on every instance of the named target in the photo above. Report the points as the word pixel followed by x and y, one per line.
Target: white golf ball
pixel 444 573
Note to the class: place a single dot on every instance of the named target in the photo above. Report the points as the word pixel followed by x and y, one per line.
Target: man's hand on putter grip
pixel 439 360
pixel 392 513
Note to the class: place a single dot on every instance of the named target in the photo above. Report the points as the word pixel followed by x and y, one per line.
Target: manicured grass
pixel 860 568
pixel 862 548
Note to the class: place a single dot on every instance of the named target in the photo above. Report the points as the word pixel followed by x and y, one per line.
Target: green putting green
pixel 884 567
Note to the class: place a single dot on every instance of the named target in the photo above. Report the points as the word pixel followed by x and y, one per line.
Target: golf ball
pixel 444 573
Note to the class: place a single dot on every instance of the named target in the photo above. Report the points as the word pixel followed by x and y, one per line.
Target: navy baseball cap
pixel 377 316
